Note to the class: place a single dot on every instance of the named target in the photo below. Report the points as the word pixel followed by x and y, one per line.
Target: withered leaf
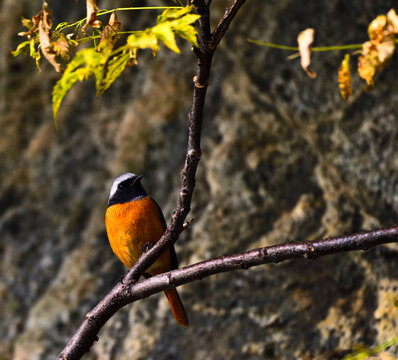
pixel 109 34
pixel 377 52
pixel 376 28
pixel 92 8
pixel 45 24
pixel 61 47
pixel 366 71
pixel 345 77
pixel 32 25
pixel 305 39
pixel 392 19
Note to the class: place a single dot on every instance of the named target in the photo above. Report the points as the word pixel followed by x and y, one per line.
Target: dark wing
pixel 173 256
pixel 160 215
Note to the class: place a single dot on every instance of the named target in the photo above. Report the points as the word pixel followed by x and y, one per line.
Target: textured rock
pixel 284 158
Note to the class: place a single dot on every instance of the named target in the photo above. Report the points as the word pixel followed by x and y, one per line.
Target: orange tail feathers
pixel 177 307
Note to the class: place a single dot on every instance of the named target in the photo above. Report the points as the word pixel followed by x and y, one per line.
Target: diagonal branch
pixel 224 23
pixel 265 255
pixel 122 295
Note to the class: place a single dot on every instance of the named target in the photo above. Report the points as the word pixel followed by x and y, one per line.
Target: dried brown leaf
pixel 32 25
pixel 109 34
pixel 366 71
pixel 61 47
pixel 92 8
pixel 305 39
pixel 345 77
pixel 392 19
pixel 377 52
pixel 376 28
pixel 45 24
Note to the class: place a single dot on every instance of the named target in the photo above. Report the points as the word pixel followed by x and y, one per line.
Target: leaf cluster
pixel 101 61
pixel 374 54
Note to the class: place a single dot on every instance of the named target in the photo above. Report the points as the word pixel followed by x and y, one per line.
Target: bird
pixel 134 223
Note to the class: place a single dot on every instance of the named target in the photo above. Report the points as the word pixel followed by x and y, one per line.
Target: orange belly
pixel 132 225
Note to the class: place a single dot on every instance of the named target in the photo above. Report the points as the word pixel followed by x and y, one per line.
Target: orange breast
pixel 130 226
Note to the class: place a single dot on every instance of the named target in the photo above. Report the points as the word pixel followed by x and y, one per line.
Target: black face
pixel 125 188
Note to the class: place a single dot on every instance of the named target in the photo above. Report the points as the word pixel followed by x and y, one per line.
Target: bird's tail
pixel 177 307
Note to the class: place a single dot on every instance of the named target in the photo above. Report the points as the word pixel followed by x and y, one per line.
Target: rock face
pixel 284 159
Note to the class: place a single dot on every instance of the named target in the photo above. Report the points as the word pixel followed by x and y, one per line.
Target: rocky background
pixel 284 158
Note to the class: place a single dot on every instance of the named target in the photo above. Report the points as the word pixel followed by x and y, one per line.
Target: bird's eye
pixel 120 186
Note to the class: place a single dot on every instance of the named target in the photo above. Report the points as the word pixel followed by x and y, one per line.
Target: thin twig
pixel 226 20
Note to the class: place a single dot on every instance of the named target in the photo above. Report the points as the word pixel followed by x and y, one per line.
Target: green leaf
pixel 22 49
pixel 61 25
pixel 165 33
pixel 143 40
pixel 172 14
pixel 184 28
pixel 84 64
pixel 35 54
pixel 179 21
pixel 112 71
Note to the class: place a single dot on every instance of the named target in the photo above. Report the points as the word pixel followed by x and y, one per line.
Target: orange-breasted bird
pixel 134 222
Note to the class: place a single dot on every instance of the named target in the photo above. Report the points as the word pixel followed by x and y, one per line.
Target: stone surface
pixel 284 159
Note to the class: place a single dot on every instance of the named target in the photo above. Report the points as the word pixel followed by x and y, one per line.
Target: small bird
pixel 134 223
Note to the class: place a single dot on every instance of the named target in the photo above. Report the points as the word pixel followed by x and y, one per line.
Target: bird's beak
pixel 137 179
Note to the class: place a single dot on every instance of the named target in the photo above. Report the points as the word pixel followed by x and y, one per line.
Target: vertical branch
pixel 120 295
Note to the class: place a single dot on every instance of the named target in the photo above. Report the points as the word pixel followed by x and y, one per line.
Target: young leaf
pixel 305 39
pixel 22 49
pixel 61 25
pixel 345 77
pixel 35 54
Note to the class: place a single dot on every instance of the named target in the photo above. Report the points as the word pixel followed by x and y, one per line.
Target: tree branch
pixel 265 255
pixel 122 295
pixel 224 23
